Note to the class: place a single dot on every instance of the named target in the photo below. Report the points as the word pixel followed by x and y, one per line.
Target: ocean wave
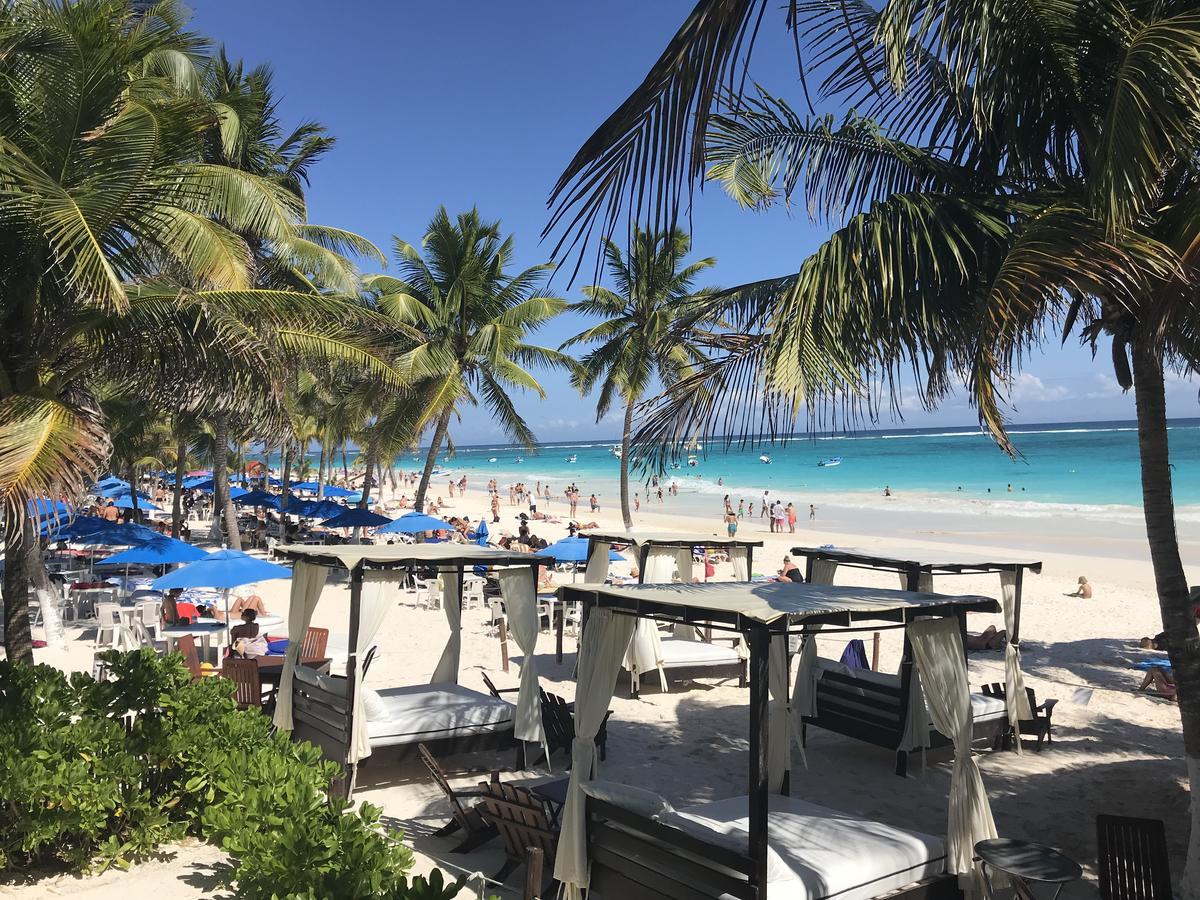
pixel 1031 509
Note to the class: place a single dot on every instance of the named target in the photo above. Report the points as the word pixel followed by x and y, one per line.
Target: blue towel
pixel 277 648
pixel 855 655
pixel 1157 663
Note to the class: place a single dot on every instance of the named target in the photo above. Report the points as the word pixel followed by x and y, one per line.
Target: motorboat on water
pixel 829 463
pixel 764 459
pixel 492 459
pixel 571 458
pixel 615 450
pixel 520 459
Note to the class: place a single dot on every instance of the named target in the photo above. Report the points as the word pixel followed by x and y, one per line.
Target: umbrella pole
pixel 226 592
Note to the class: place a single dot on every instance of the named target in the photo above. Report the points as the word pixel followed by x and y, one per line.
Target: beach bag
pixel 249 648
pixel 855 655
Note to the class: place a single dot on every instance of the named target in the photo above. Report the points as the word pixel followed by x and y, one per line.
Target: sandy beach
pixel 1114 750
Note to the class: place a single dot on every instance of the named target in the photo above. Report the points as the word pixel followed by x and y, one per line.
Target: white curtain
pixel 660 565
pixel 740 557
pixel 600 653
pixel 645 652
pixel 683 563
pixel 1014 682
pixel 307 581
pixel 779 742
pixel 519 589
pixel 938 650
pixel 804 691
pixel 378 595
pixel 447 667
pixel 916 722
pixel 823 571
pixel 597 564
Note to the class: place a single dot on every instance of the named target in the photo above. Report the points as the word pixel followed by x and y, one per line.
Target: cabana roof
pixel 668 539
pixel 770 602
pixel 394 556
pixel 929 561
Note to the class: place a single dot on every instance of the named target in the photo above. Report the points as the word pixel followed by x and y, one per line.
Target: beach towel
pixel 855 655
pixel 1156 663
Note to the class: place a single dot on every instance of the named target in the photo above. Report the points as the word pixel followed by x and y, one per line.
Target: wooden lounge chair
pixel 246 682
pixel 522 820
pixel 1041 725
pixel 1132 859
pixel 186 644
pixel 558 721
pixel 477 830
pixel 496 692
pixel 314 644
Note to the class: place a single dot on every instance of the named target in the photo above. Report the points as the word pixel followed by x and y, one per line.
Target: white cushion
pixel 373 705
pixel 626 796
pixel 730 838
pixel 680 652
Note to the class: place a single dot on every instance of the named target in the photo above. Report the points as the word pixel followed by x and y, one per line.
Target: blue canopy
pixel 127 535
pixel 198 482
pixel 111 483
pixel 45 508
pixel 76 528
pixel 414 523
pixel 298 507
pixel 332 490
pixel 160 551
pixel 356 498
pixel 356 518
pixel 221 570
pixel 273 481
pixel 304 485
pixel 257 498
pixel 324 509
pixel 574 549
pixel 236 492
pixel 125 501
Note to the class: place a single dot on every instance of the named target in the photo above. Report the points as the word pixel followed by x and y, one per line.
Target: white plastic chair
pixel 149 621
pixel 108 627
pixel 473 592
pixel 496 615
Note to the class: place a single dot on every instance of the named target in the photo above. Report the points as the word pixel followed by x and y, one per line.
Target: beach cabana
pixel 690 651
pixel 916 571
pixel 631 844
pixel 347 719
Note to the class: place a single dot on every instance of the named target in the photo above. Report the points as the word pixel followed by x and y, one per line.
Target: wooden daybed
pixel 444 716
pixel 873 706
pixel 764 845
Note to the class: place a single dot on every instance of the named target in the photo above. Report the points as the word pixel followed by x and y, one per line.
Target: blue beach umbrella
pixel 414 523
pixel 160 551
pixel 257 498
pixel 125 501
pixel 126 535
pixel 76 528
pixel 304 486
pixel 236 492
pixel 482 534
pixel 110 484
pixel 332 490
pixel 356 518
pixel 324 509
pixel 574 549
pixel 222 570
pixel 45 508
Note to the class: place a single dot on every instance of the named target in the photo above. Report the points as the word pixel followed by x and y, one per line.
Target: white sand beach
pixel 1114 750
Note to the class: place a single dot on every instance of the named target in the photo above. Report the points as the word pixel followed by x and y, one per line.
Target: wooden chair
pixel 1132 859
pixel 478 831
pixel 186 644
pixel 558 721
pixel 523 822
pixel 1041 725
pixel 495 691
pixel 314 644
pixel 247 684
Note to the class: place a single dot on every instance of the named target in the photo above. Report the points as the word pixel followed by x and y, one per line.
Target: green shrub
pixel 97 773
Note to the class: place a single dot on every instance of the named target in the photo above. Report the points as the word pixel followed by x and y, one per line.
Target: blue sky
pixel 468 103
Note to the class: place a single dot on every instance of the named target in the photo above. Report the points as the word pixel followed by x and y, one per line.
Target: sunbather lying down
pixel 990 639
pixel 1162 681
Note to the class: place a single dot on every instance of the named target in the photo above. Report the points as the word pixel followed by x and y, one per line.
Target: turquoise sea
pixel 1085 469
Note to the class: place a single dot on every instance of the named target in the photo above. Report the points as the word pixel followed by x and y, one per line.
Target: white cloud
pixel 1028 388
pixel 1104 387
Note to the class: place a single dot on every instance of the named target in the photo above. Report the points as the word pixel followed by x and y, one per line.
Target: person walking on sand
pixel 812 512
pixel 778 516
pixel 731 523
pixel 762 513
pixel 637 502
pixel 741 508
pixel 728 505
pixel 495 508
pixel 791 517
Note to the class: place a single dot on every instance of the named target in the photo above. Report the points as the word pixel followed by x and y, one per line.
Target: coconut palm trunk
pixel 285 450
pixel 222 502
pixel 369 475
pixel 19 534
pixel 1179 622
pixel 177 491
pixel 439 435
pixel 626 432
pixel 321 473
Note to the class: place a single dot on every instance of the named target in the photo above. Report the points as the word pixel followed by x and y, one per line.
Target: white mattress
pixel 820 852
pixel 677 652
pixel 424 712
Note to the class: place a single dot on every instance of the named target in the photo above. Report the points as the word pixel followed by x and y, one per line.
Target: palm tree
pixel 1013 171
pixel 651 329
pixel 114 229
pixel 464 319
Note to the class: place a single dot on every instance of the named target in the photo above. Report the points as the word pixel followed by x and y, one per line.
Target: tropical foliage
pixel 653 325
pixel 466 317
pixel 1012 172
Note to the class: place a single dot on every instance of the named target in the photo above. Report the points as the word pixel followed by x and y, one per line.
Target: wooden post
pixel 504 643
pixel 356 583
pixel 809 562
pixel 533 873
pixel 875 652
pixel 643 555
pixel 906 665
pixel 1019 583
pixel 912 580
pixel 759 639
pixel 749 563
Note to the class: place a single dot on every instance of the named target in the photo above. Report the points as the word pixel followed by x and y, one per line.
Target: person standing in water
pixel 812 512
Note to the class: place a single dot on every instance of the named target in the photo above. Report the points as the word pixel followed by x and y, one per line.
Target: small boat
pixel 520 459
pixel 571 458
pixel 616 451
pixel 492 459
pixel 829 463
pixel 766 460
pixel 692 462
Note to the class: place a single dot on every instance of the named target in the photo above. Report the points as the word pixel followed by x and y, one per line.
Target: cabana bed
pixel 875 706
pixel 348 720
pixel 630 844
pixel 690 653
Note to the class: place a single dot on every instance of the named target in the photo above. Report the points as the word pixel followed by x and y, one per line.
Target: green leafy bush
pixel 97 773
